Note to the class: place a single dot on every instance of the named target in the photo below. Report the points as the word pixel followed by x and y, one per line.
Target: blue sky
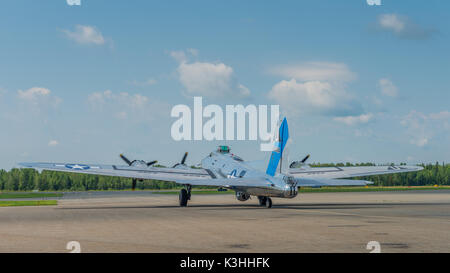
pixel 357 82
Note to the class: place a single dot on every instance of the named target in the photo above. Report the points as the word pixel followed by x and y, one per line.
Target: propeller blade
pixel 306 158
pixel 151 163
pixel 125 159
pixel 184 158
pixel 298 164
pixel 133 185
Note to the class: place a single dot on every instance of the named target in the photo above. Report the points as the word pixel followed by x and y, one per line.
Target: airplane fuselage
pixel 231 166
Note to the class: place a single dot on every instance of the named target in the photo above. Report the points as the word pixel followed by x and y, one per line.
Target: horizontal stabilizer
pixel 228 183
pixel 319 182
pixel 347 172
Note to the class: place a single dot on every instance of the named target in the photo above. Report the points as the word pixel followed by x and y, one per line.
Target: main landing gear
pixel 265 201
pixel 185 196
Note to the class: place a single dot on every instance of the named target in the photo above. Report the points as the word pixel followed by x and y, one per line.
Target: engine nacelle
pixel 242 196
pixel 138 163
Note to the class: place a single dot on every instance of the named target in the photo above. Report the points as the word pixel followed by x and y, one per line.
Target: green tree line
pixel 28 179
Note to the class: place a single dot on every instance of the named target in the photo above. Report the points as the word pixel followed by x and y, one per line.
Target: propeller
pixel 306 158
pixel 297 164
pixel 152 163
pixel 183 160
pixel 130 163
pixel 126 159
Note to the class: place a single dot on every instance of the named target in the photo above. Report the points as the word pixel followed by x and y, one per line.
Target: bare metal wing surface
pixel 164 174
pixel 195 177
pixel 321 182
pixel 347 172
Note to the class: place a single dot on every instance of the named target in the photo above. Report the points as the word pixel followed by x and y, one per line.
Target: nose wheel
pixel 265 201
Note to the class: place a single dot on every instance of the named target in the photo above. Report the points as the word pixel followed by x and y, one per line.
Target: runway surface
pixel 410 221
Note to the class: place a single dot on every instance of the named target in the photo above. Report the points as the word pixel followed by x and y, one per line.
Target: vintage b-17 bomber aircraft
pixel 225 170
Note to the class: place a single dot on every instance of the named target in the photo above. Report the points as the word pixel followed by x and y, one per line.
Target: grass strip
pixel 28 203
pixel 16 195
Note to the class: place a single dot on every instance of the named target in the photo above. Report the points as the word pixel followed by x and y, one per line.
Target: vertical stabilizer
pixel 277 154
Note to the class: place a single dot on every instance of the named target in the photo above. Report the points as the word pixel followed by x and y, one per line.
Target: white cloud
pixel 38 96
pixel 419 141
pixel 243 91
pixel 388 88
pixel 126 106
pixel 392 22
pixel 182 56
pixel 422 128
pixel 53 143
pixel 352 120
pixel 415 123
pixel 314 97
pixel 444 115
pixel 316 87
pixel 205 78
pixel 192 51
pixel 33 93
pixel 316 71
pixel 402 27
pixel 73 2
pixel 208 79
pixel 179 56
pixel 85 35
pixel 310 94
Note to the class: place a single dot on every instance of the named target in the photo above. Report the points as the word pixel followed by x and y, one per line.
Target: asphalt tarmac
pixel 409 221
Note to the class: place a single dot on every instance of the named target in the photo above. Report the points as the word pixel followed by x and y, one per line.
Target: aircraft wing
pixel 320 182
pixel 201 177
pixel 163 174
pixel 346 172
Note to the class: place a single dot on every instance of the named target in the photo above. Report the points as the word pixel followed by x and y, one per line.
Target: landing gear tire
pixel 262 200
pixel 268 203
pixel 184 197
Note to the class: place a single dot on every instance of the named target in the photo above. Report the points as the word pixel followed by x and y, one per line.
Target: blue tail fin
pixel 277 154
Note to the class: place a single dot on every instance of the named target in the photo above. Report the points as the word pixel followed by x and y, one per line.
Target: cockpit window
pixel 223 149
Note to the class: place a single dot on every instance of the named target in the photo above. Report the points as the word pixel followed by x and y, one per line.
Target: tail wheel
pixel 262 200
pixel 184 196
pixel 268 203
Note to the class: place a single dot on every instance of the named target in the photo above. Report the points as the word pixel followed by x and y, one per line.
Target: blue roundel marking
pixel 77 166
